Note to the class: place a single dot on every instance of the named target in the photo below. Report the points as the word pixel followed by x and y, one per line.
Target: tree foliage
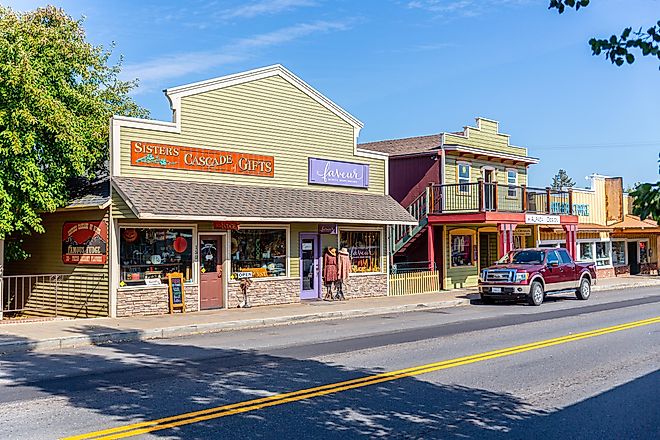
pixel 618 49
pixel 57 93
pixel 561 180
pixel 646 202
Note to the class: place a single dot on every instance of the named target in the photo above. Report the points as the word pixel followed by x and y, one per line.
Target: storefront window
pixel 364 249
pixel 643 252
pixel 260 251
pixel 461 250
pixel 147 255
pixel 512 180
pixel 586 251
pixel 602 253
pixel 619 253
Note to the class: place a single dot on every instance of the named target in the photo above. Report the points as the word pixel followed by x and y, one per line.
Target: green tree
pixel 618 49
pixel 57 93
pixel 561 181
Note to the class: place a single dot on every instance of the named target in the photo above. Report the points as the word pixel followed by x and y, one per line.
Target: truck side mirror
pixel 553 264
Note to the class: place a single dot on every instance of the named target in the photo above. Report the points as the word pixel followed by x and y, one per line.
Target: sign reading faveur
pixel 332 172
pixel 147 154
pixel 85 242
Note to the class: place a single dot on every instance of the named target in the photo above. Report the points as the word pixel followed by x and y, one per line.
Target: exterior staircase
pixel 402 236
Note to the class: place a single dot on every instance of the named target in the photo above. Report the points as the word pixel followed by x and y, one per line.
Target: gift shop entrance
pixel 210 280
pixel 310 279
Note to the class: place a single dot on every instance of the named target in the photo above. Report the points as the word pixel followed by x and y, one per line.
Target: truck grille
pixel 500 276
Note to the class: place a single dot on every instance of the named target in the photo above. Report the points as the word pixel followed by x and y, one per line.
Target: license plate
pixel 496 289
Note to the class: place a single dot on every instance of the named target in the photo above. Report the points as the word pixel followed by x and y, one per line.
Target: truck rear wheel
pixel 584 291
pixel 536 294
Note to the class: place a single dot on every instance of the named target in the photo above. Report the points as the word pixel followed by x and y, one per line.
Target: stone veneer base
pixel 152 300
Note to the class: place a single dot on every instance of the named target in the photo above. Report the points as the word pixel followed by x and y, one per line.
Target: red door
pixel 211 282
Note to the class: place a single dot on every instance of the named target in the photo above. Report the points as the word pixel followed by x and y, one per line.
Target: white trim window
pixel 264 251
pixel 603 253
pixel 365 248
pixel 598 252
pixel 148 254
pixel 643 251
pixel 512 181
pixel 463 171
pixel 619 253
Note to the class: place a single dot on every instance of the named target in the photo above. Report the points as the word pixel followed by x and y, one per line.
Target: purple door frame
pixel 315 289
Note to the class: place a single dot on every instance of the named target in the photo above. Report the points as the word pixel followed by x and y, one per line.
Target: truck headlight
pixel 482 275
pixel 522 276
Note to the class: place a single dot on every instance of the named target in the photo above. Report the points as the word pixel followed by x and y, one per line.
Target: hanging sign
pixel 533 219
pixel 336 173
pixel 85 242
pixel 176 292
pixel 147 154
pixel 228 226
pixel 522 232
pixel 327 228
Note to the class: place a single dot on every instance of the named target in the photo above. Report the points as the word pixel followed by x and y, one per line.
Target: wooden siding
pixel 465 276
pixel 451 168
pixel 410 175
pixel 267 116
pixel 414 283
pixel 120 210
pixel 46 258
pixel 486 137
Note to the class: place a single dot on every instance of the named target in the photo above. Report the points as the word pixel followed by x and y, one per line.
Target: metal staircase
pixel 402 236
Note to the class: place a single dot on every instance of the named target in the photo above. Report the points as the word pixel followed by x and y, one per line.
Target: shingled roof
pixel 398 147
pixel 169 199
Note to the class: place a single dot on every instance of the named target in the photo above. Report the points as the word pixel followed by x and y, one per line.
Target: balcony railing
pixel 496 197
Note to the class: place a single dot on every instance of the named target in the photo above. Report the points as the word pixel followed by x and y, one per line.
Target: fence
pixel 53 295
pixel 410 283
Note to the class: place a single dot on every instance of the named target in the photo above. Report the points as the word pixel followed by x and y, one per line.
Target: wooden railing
pixel 495 197
pixel 412 283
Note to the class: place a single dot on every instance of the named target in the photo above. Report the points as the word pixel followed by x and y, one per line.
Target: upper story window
pixel 463 177
pixel 512 181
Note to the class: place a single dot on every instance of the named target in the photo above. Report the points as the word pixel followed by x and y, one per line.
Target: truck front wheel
pixel 584 291
pixel 536 294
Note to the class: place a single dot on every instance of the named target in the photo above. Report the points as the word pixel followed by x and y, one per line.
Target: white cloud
pixel 153 73
pixel 461 8
pixel 264 7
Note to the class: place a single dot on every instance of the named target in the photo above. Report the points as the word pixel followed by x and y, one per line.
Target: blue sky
pixel 415 67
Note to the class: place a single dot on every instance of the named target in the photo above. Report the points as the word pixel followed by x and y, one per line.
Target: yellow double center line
pixel 308 393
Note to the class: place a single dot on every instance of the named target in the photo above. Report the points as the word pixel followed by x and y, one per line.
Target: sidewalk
pixel 57 334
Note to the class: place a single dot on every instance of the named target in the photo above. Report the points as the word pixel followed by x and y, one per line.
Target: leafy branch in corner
pixel 618 48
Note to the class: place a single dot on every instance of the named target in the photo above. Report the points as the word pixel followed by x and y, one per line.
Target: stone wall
pixel 605 273
pixel 152 300
pixel 266 292
pixel 363 286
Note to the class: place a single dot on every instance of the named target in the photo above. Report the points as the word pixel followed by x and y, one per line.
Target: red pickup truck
pixel 533 273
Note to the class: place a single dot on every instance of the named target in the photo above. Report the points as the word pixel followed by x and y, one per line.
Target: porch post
pixel 506 237
pixel 430 246
pixel 482 195
pixel 571 240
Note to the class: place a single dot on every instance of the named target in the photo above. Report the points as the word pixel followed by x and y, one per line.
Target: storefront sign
pixel 243 275
pixel 332 172
pixel 177 294
pixel 227 226
pixel 327 228
pixel 85 242
pixel 147 154
pixel 580 209
pixel 532 219
pixel 522 232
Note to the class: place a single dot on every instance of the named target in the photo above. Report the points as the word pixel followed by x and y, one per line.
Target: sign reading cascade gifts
pixel 147 154
pixel 85 242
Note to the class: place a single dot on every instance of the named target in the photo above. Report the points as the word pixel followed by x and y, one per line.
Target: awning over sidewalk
pixel 632 224
pixel 184 200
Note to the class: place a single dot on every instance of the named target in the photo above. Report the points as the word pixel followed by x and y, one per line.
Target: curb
pixel 635 285
pixel 215 327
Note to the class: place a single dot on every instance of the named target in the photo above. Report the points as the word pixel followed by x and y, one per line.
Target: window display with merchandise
pixel 461 250
pixel 364 248
pixel 260 251
pixel 147 255
pixel 619 253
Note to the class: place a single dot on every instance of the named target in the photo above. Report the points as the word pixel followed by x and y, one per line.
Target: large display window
pixel 461 249
pixel 260 251
pixel 364 248
pixel 147 255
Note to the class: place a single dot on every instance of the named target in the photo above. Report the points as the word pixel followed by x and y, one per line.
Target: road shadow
pixel 119 384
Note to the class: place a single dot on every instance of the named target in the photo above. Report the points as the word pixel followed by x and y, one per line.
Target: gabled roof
pixel 220 82
pixel 404 146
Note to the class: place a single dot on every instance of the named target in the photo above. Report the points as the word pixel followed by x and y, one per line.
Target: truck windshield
pixel 527 257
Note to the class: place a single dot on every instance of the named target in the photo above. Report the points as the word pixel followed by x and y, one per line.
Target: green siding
pixel 476 173
pixel 485 137
pixel 267 116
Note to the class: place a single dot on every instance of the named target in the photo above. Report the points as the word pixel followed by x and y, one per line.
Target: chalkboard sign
pixel 177 292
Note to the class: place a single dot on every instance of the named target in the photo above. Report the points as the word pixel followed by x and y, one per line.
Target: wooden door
pixel 489 190
pixel 211 280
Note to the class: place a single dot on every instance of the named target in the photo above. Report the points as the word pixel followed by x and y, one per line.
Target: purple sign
pixel 332 172
pixel 327 228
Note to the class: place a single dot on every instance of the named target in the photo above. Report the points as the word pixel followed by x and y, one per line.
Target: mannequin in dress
pixel 329 270
pixel 343 270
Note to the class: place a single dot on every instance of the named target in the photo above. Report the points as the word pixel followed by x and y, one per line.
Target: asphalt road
pixel 602 385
